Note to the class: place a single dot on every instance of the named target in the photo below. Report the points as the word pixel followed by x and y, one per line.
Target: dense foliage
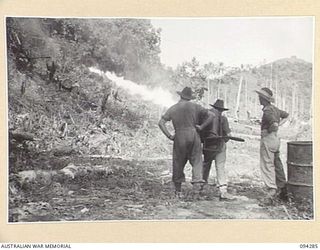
pixel 51 88
pixel 129 47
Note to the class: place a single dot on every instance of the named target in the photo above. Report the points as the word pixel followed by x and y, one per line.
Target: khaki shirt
pixel 271 114
pixel 219 127
pixel 184 115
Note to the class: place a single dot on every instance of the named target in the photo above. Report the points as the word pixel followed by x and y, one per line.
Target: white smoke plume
pixel 157 95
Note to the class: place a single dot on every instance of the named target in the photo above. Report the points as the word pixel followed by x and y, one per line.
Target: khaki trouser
pixel 187 147
pixel 272 172
pixel 220 158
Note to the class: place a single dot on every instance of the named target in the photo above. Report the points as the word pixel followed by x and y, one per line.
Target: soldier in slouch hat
pixel 185 116
pixel 271 166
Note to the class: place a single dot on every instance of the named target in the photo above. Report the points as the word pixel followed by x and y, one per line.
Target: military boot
pixel 178 192
pixel 195 193
pixel 283 194
pixel 269 199
pixel 224 195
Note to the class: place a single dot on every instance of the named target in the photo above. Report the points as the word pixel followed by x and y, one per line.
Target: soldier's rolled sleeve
pixel 167 116
pixel 283 114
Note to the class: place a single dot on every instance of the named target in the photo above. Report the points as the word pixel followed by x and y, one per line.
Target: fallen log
pixel 63 151
pixel 20 136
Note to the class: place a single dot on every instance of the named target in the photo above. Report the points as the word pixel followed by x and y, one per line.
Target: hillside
pixel 290 79
pixel 74 106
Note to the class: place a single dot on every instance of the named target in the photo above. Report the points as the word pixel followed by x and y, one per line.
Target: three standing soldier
pixel 190 119
pixel 185 116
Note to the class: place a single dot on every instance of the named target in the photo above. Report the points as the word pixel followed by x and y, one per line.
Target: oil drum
pixel 300 170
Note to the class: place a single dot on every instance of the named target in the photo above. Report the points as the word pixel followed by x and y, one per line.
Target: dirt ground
pixel 140 191
pixel 51 187
pixel 129 189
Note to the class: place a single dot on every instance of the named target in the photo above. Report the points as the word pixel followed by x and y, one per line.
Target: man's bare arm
pixel 283 121
pixel 162 126
pixel 206 122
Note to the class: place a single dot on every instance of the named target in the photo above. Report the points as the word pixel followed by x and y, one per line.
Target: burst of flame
pixel 157 95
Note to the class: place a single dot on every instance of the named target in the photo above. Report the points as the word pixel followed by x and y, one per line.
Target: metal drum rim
pixel 299 184
pixel 296 164
pixel 300 143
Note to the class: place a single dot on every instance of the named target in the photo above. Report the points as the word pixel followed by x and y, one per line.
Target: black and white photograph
pixel 157 119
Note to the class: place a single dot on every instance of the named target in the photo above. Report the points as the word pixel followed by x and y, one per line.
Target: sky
pixel 235 41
